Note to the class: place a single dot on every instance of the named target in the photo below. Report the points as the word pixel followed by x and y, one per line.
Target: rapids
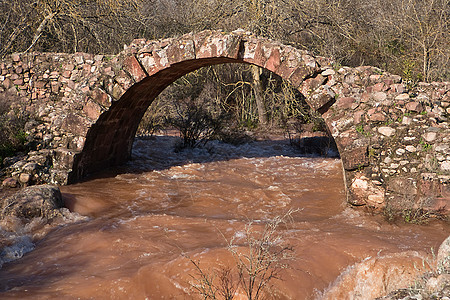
pixel 134 230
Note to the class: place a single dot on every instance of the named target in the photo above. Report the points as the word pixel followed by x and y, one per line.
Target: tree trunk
pixel 257 88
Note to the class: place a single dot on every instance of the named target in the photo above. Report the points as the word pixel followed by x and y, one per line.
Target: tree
pixel 67 25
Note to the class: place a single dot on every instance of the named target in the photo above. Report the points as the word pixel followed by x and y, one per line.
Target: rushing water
pixel 145 220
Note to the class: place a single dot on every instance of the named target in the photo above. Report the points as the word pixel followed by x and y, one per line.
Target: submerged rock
pixel 33 202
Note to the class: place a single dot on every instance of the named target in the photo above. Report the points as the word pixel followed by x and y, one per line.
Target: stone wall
pixel 393 138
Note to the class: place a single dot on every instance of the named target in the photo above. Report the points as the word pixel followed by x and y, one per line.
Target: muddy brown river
pixel 134 230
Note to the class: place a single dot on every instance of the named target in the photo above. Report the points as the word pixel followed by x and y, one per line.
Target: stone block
pixel 402 186
pixel 134 68
pixel 181 50
pixel 354 158
pixel 414 106
pixel 321 97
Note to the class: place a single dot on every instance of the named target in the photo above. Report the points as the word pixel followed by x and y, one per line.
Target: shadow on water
pixel 156 153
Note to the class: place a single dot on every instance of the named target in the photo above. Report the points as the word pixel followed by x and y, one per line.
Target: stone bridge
pixel 393 139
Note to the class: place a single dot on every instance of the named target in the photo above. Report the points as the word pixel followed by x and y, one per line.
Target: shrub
pixel 12 122
pixel 258 261
pixel 197 120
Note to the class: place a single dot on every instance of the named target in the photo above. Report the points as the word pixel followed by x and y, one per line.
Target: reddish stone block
pixel 92 110
pixel 320 97
pixel 274 60
pixel 7 83
pixel 357 117
pixel 354 158
pixel 403 186
pixel 380 87
pixel 378 117
pixel 180 51
pixel 132 66
pixel 15 57
pixel 298 77
pixel 345 102
pixel 414 106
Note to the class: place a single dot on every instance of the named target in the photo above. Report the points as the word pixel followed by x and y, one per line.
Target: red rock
pixel 69 67
pixel 345 102
pixel 355 158
pixel 15 57
pixel 132 66
pixel 357 117
pixel 9 183
pixel 380 87
pixel 378 117
pixel 414 106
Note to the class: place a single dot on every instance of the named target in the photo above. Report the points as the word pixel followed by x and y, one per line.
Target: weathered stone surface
pixel 429 136
pixel 366 192
pixel 355 158
pixel 9 183
pixel 133 67
pixel 414 106
pixel 443 256
pixel 402 185
pixel 33 202
pixel 386 131
pixel 378 276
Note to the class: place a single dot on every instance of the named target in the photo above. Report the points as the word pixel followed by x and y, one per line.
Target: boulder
pixel 32 202
pixel 443 256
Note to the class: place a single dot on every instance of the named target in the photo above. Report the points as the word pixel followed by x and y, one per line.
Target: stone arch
pixel 146 68
pixel 393 140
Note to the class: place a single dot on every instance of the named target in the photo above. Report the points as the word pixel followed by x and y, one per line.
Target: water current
pixel 134 231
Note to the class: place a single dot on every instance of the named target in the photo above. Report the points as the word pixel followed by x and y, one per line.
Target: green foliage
pixel 425 145
pixel 360 129
pixel 416 216
pixel 12 134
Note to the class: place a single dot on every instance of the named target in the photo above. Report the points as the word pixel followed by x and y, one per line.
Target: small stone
pixel 410 148
pixel 404 162
pixel 387 160
pixel 406 121
pixel 378 117
pixel 445 166
pixel 400 151
pixel 79 60
pixel 394 166
pixel 402 97
pixel 24 178
pixel 442 147
pixel 414 106
pixel 15 57
pixel 413 170
pixel 429 136
pixel 328 72
pixel 376 199
pixel 440 157
pixel 386 131
pixel 379 96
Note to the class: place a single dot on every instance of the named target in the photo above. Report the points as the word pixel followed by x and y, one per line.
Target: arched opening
pixel 109 141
